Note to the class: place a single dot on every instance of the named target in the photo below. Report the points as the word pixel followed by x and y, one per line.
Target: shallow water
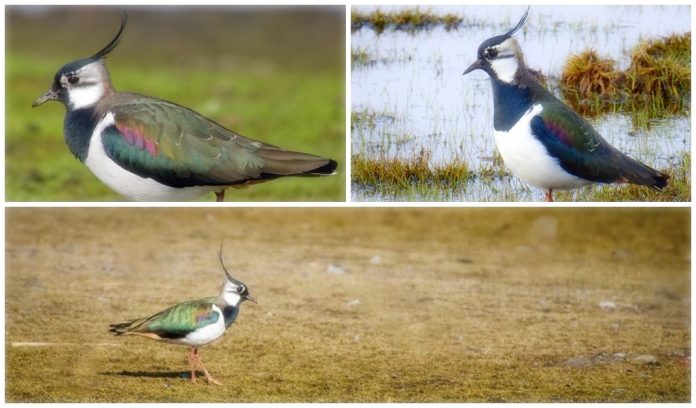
pixel 413 83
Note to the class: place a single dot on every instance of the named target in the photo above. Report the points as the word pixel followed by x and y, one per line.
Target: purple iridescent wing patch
pixel 557 129
pixel 136 137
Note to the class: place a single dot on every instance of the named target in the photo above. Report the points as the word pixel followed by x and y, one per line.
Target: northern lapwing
pixel 194 323
pixel 542 140
pixel 148 149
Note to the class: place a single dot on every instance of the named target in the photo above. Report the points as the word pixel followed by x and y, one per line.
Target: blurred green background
pixel 276 74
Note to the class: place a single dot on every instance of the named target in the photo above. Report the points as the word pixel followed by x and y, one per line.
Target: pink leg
pixel 208 377
pixel 549 196
pixel 220 196
pixel 192 365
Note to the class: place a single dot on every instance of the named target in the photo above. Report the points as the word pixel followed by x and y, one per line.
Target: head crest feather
pixel 229 277
pixel 519 23
pixel 114 42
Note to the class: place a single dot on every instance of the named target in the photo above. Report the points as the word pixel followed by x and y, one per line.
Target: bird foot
pixel 220 196
pixel 212 380
pixel 196 362
pixel 208 378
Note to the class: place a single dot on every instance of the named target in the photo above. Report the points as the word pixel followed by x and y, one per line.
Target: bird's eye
pixel 240 289
pixel 72 79
pixel 491 53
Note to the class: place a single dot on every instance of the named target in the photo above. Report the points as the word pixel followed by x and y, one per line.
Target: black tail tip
pixel 327 169
pixel 114 328
pixel 661 181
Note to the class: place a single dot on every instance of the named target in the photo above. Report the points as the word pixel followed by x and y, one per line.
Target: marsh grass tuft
pixel 370 119
pixel 360 57
pixel 396 173
pixel 589 82
pixel 659 77
pixel 405 20
pixel 657 83
pixel 494 169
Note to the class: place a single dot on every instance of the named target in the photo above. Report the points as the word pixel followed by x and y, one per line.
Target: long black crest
pixel 519 23
pixel 233 280
pixel 114 42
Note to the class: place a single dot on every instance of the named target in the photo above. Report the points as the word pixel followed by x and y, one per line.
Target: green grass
pixel 288 104
pixel 460 305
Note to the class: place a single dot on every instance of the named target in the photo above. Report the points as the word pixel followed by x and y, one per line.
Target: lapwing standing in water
pixel 148 149
pixel 194 323
pixel 543 141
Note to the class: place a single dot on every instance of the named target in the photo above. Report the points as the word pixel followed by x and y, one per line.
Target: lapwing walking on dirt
pixel 542 140
pixel 148 149
pixel 194 323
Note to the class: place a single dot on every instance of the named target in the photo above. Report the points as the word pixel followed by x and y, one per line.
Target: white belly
pixel 528 159
pixel 205 334
pixel 130 185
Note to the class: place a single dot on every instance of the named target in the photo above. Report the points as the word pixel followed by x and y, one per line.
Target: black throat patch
pixel 230 314
pixel 510 102
pixel 78 128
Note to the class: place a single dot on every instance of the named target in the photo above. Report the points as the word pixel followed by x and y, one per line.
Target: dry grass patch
pixel 406 20
pixel 657 83
pixel 398 172
pixel 434 305
pixel 660 74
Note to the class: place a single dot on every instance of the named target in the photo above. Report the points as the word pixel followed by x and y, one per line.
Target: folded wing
pixel 173 323
pixel 582 152
pixel 180 148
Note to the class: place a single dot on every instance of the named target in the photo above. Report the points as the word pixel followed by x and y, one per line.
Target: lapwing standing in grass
pixel 543 141
pixel 148 149
pixel 194 323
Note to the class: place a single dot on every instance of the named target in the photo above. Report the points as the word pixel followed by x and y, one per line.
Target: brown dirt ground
pixel 434 305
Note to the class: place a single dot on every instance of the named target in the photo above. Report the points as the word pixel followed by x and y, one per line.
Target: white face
pixel 232 293
pixel 86 86
pixel 504 60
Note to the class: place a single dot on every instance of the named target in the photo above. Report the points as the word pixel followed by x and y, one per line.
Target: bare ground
pixel 431 305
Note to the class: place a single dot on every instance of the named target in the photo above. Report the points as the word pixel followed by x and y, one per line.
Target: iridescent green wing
pixel 180 148
pixel 583 152
pixel 179 320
